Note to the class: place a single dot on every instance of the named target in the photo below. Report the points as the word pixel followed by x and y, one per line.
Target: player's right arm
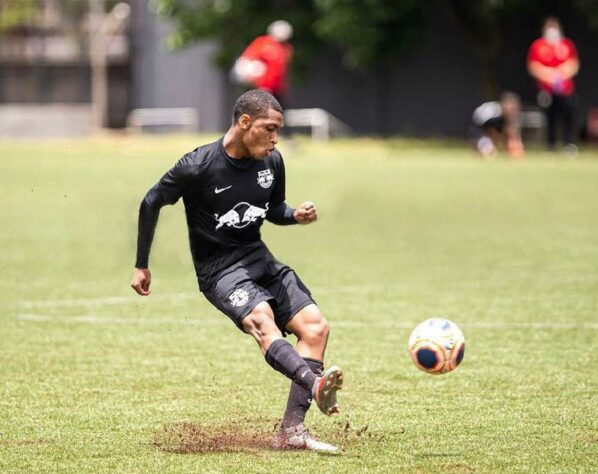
pixel 167 191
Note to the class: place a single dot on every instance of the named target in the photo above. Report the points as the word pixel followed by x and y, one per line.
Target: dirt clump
pixel 189 438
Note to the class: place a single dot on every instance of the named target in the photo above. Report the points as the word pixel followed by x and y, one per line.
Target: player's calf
pixel 284 358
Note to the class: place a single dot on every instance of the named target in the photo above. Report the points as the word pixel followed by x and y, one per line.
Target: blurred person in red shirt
pixel 552 60
pixel 265 62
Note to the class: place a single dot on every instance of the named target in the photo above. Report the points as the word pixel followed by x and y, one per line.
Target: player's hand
pixel 306 213
pixel 142 278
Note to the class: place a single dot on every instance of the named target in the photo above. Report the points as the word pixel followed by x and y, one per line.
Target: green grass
pixel 96 379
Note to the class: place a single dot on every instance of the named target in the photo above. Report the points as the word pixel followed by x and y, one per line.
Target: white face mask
pixel 552 34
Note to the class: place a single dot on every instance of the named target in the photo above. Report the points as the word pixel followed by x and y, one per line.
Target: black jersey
pixel 226 201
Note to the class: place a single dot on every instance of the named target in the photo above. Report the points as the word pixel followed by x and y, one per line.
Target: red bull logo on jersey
pixel 265 178
pixel 241 215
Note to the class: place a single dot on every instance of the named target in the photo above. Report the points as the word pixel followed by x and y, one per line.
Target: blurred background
pixel 69 67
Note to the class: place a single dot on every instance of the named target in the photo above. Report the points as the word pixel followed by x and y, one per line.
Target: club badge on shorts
pixel 265 178
pixel 239 297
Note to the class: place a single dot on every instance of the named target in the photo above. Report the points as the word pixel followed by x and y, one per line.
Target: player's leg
pixel 312 329
pixel 551 118
pixel 260 324
pixel 567 108
pixel 246 304
pixel 296 312
pixel 281 355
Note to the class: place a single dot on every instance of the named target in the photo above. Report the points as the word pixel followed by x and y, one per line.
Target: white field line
pixel 91 319
pixel 132 299
pixel 108 300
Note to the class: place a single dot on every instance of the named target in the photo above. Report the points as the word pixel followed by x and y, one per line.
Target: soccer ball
pixel 437 346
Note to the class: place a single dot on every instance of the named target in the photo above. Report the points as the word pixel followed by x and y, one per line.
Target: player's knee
pixel 316 332
pixel 260 321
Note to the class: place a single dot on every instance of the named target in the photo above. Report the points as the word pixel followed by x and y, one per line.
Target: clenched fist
pixel 306 213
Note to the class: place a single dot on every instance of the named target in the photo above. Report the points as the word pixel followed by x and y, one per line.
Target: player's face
pixel 262 135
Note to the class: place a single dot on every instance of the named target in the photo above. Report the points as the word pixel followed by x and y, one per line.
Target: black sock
pixel 284 358
pixel 300 399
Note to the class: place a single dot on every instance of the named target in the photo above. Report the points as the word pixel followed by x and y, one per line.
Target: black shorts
pixel 256 278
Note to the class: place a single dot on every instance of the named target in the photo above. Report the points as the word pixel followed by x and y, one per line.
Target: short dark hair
pixel 255 103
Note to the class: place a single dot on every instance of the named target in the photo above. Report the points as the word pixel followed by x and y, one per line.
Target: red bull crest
pixel 265 178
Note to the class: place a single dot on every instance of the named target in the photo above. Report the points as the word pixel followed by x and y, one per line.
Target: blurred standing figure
pixel 265 62
pixel 552 60
pixel 497 126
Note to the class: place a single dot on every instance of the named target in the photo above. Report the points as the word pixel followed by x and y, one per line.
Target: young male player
pixel 229 188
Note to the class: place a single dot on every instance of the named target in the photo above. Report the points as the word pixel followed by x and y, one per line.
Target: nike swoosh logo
pixel 218 191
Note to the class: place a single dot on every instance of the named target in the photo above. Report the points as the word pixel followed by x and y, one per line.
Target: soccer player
pixel 497 126
pixel 229 188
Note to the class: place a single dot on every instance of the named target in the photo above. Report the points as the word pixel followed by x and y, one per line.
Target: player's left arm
pixel 280 212
pixel 283 214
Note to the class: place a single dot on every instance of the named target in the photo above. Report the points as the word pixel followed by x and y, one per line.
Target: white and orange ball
pixel 437 346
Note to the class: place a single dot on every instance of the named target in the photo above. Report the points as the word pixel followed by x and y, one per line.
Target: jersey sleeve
pixel 168 190
pixel 279 212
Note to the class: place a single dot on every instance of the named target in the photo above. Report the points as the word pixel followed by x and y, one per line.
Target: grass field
pixel 97 379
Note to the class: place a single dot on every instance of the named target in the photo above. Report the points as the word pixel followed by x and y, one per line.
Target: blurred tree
pixel 27 16
pixel 589 11
pixel 371 34
pixel 485 22
pixel 367 32
pixel 16 13
pixel 237 22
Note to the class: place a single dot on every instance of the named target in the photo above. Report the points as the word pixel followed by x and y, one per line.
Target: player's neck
pixel 233 145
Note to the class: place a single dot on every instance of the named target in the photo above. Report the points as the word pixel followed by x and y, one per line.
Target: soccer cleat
pixel 299 437
pixel 325 389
